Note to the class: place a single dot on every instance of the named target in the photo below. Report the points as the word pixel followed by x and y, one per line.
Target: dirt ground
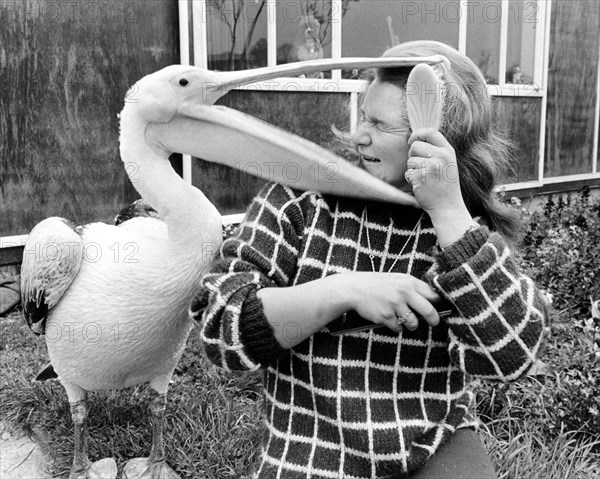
pixel 20 457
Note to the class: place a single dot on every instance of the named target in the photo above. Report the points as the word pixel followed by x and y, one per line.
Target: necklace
pixel 351 321
pixel 416 229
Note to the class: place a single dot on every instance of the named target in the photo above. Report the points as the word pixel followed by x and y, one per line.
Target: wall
pixel 65 70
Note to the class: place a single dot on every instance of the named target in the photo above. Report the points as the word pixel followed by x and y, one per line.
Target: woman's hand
pixel 390 299
pixel 432 171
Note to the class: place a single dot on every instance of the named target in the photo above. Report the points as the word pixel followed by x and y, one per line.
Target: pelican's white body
pixel 124 319
pixel 118 310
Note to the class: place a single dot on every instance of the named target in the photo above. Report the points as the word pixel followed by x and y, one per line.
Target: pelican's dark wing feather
pixel 136 209
pixel 51 261
pixel 47 372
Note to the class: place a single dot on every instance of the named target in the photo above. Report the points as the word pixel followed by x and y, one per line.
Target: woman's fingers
pixel 396 300
pixel 427 292
pixel 407 319
pixel 430 136
pixel 424 309
pixel 420 149
pixel 416 310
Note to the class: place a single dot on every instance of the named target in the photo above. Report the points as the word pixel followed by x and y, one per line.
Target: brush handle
pixel 351 322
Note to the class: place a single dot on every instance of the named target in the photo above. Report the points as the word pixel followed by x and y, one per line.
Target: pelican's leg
pixel 82 467
pixel 81 462
pixel 155 466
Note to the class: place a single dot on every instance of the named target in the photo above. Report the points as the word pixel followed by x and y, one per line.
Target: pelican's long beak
pixel 219 83
pixel 226 136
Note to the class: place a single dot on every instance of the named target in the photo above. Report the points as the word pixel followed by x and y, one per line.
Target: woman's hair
pixel 482 154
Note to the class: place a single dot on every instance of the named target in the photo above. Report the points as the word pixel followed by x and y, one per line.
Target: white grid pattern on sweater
pixel 338 410
pixel 280 379
pixel 288 434
pixel 361 363
pixel 310 359
pixel 515 289
pixel 493 308
pixel 335 447
pixel 396 410
pixel 353 394
pixel 369 422
pixel 424 375
pixel 280 239
pixel 302 469
pixel 308 470
pixel 316 419
pixel 221 302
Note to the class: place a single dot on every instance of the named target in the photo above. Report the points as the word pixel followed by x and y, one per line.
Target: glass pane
pixel 572 88
pixel 64 82
pixel 310 117
pixel 304 31
pixel 519 118
pixel 483 37
pixel 520 48
pixel 369 27
pixel 237 34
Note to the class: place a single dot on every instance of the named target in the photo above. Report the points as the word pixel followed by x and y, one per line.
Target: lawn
pixel 545 426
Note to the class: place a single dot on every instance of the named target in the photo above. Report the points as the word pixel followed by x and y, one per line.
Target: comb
pixel 425 92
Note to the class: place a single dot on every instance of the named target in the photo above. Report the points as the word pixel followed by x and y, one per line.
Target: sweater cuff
pixel 463 250
pixel 256 334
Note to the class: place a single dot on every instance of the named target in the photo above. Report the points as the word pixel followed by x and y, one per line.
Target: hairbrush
pixel 425 93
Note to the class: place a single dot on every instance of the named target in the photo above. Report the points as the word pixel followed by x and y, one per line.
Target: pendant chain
pixel 417 229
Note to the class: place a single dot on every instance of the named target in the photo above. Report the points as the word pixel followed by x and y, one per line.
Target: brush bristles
pixel 425 93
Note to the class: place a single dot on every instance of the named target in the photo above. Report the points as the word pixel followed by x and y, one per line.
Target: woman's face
pixel 382 134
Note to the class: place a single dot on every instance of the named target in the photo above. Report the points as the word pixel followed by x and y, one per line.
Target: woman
pixel 396 400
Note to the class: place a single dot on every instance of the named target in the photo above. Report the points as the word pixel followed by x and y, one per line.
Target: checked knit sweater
pixel 370 403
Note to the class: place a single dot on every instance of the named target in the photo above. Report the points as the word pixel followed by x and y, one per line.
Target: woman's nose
pixel 361 135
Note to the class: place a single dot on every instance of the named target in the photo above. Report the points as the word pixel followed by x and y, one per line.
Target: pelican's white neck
pixel 184 208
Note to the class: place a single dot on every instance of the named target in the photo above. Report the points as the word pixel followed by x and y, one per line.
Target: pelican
pixel 112 301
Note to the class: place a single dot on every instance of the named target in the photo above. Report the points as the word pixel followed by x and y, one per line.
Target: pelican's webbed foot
pixel 143 468
pixel 103 469
pixel 155 466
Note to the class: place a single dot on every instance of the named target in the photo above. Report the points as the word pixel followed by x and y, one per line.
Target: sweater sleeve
pixel 263 253
pixel 502 315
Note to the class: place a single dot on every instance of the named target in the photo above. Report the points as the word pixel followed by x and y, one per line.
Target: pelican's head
pixel 158 96
pixel 173 108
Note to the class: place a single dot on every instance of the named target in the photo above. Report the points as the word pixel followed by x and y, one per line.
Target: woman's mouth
pixel 370 159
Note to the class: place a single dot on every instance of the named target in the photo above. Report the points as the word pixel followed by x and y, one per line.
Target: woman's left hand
pixel 432 171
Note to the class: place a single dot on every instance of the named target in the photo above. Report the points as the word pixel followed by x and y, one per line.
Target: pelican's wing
pixel 226 136
pixel 51 261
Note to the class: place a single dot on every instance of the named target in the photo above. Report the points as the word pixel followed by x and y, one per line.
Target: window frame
pixel 193 13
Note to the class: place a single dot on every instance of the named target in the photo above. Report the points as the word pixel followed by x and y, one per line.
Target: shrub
pixel 560 251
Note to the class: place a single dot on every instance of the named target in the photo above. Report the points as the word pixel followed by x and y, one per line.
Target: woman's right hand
pixel 390 299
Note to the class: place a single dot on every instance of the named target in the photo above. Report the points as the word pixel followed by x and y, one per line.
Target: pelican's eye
pixel 184 82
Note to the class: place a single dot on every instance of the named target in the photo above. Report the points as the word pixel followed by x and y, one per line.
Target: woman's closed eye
pixel 363 119
pixel 398 126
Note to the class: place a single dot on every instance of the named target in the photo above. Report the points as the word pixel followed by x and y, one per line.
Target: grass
pixel 542 427
pixel 213 421
pixel 520 452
